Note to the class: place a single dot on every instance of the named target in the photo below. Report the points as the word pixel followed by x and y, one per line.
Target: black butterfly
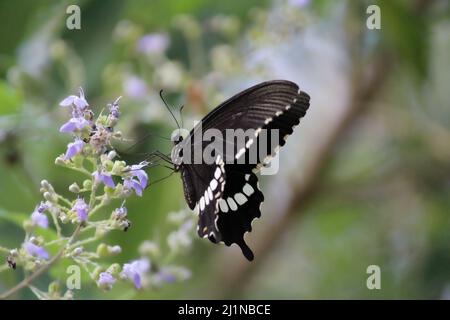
pixel 227 193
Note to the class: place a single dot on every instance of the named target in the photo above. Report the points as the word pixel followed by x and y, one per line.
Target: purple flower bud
pixel 38 218
pixel 114 109
pixel 74 148
pixel 105 178
pixel 153 43
pixel 106 280
pixel 77 123
pixel 82 209
pixel 135 271
pixel 120 213
pixel 43 207
pixel 36 251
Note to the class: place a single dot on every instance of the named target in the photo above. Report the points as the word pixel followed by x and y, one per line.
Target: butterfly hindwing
pixel 239 206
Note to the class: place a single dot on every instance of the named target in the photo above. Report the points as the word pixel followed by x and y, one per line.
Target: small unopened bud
pixel 112 154
pixel 87 184
pixel 14 253
pixel 113 250
pixel 54 287
pixel 74 188
pixel 45 184
pixel 114 269
pixel 60 161
pixel 102 250
pixel 49 197
pixel 118 167
pixel 77 251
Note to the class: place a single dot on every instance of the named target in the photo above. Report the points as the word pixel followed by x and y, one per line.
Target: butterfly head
pixel 179 135
pixel 177 152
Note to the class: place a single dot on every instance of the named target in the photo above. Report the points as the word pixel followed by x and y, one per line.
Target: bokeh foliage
pixel 383 198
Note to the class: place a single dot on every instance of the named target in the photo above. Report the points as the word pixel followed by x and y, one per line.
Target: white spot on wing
pixel 248 189
pixel 217 173
pixel 210 194
pixel 213 184
pixel 233 206
pixel 240 198
pixel 206 197
pixel 202 204
pixel 223 205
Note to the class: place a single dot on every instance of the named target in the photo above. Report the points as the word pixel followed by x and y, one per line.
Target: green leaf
pixel 10 99
pixel 13 217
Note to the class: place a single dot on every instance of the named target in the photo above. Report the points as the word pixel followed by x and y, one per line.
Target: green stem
pixel 56 223
pixel 83 242
pixel 67 202
pixel 82 170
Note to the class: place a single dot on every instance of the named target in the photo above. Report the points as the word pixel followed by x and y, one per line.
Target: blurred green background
pixel 365 180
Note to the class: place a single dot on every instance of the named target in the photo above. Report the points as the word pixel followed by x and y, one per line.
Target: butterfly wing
pixel 235 202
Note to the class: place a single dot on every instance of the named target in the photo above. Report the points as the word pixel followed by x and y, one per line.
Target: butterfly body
pixel 226 189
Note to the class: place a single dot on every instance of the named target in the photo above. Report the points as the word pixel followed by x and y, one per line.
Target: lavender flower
pixel 130 184
pixel 78 101
pixel 74 148
pixel 104 177
pixel 81 208
pixel 76 123
pixel 106 280
pixel 153 43
pixel 38 218
pixel 135 87
pixel 36 251
pixel 142 178
pixel 299 3
pixel 135 271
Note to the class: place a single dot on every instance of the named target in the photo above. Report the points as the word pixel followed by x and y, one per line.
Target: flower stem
pixel 28 280
pixel 83 242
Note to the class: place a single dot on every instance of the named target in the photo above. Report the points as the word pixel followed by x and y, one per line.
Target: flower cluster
pixel 107 181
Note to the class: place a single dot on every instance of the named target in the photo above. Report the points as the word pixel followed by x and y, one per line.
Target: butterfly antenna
pixel 145 138
pixel 167 107
pixel 181 115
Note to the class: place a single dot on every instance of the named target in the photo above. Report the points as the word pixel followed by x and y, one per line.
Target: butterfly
pixel 226 189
